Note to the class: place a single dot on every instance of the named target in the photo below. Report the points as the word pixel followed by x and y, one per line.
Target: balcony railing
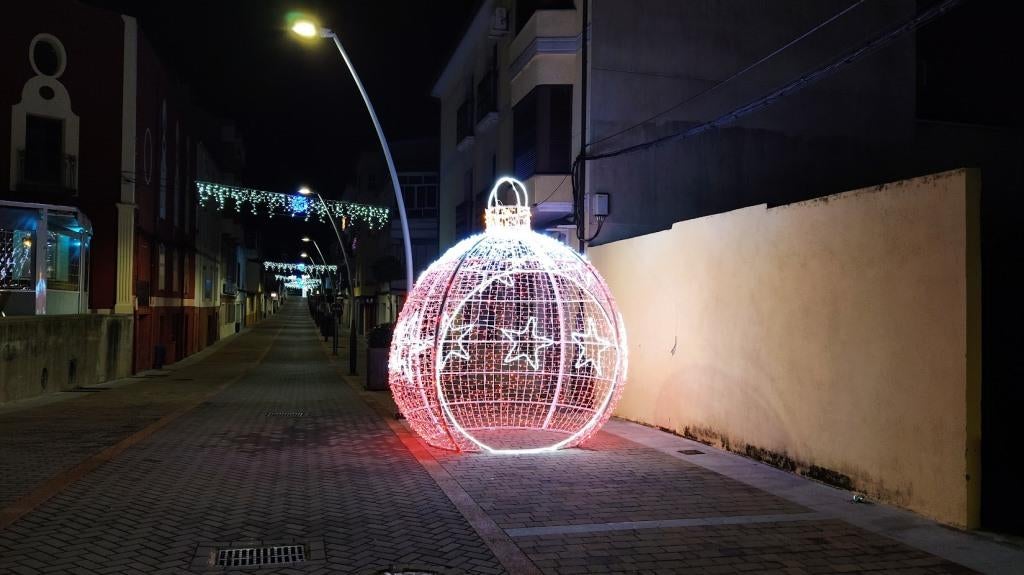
pixel 40 174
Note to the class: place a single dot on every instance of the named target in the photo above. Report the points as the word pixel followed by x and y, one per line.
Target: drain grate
pixel 85 389
pixel 261 556
pixel 286 413
pixel 691 452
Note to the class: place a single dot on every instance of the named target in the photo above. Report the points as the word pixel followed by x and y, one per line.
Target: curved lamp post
pixel 337 279
pixel 351 287
pixel 307 28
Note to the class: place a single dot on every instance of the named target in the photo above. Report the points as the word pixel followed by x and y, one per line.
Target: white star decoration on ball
pixel 526 344
pixel 462 351
pixel 592 340
pixel 509 343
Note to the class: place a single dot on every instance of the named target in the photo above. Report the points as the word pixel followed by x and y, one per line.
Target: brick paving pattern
pixel 37 443
pixel 610 480
pixel 229 472
pixel 290 454
pixel 793 548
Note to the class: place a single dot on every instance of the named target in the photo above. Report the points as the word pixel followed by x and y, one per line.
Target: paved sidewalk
pixel 288 454
pixel 263 442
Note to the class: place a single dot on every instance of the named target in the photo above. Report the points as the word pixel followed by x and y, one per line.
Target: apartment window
pixel 176 199
pixel 464 122
pixel 420 194
pixel 44 150
pixel 464 212
pixel 174 271
pixel 487 88
pixel 186 183
pixel 207 283
pixel 161 267
pixel 162 207
pixel 542 131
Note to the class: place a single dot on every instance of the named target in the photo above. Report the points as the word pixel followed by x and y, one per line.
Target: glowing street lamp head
pixel 306 239
pixel 304 255
pixel 305 28
pixel 304 191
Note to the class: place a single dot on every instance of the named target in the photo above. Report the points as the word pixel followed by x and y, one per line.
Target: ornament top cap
pixel 500 217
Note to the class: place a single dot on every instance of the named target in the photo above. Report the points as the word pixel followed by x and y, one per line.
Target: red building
pixel 99 125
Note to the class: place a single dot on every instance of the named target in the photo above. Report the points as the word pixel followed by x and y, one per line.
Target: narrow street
pixel 263 442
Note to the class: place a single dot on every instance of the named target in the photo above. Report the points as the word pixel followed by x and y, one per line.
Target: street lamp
pixel 307 240
pixel 307 28
pixel 351 286
pixel 337 278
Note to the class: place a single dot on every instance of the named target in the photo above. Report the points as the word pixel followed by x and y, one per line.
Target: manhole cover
pixel 286 413
pixel 261 556
pixel 691 452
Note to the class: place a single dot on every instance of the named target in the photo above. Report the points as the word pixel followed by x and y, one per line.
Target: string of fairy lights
pixel 273 203
pixel 510 342
pixel 301 268
pixel 298 282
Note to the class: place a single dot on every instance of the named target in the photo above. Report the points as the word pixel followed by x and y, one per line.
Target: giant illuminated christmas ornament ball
pixel 509 343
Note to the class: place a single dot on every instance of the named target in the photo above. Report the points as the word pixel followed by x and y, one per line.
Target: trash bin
pixel 378 346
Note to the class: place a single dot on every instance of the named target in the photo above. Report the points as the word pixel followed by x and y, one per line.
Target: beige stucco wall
pixel 837 337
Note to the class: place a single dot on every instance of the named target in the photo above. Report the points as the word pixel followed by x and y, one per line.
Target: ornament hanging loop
pixel 500 217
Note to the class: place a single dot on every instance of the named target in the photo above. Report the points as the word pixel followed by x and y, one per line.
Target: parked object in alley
pixel 378 343
pixel 509 343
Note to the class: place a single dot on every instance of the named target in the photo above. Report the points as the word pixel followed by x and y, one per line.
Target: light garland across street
pixel 298 282
pixel 273 203
pixel 301 268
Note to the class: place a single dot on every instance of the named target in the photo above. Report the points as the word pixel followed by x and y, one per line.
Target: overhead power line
pixel 800 83
pixel 735 75
pixel 877 42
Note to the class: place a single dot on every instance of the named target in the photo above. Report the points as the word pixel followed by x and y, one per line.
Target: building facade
pixel 378 257
pixel 672 111
pixel 98 214
pixel 509 98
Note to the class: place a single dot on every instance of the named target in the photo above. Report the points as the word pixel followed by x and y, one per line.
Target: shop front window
pixel 63 261
pixel 17 259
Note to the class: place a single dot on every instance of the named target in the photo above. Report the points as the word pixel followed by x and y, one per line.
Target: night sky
pixel 297 108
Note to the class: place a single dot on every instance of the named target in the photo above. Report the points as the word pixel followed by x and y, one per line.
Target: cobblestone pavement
pixel 263 443
pixel 620 507
pixel 286 454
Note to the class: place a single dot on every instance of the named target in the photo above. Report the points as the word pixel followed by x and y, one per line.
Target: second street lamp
pixel 336 282
pixel 351 287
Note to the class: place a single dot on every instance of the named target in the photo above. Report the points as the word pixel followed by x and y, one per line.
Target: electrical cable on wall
pixel 849 57
pixel 735 75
